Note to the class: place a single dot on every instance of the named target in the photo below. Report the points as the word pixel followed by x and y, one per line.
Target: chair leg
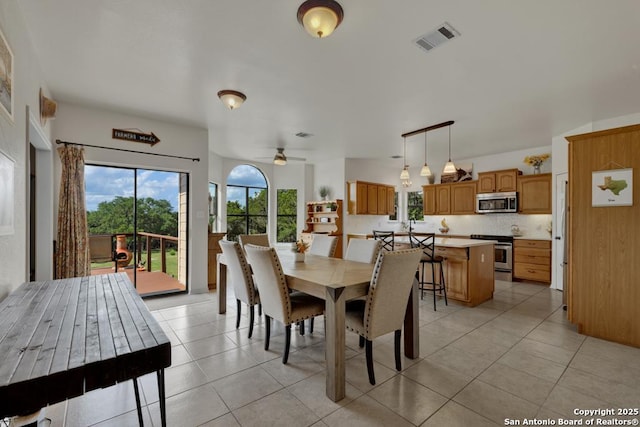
pixel 422 282
pixel 238 309
pixel 433 284
pixel 301 325
pixel 267 325
pixel 260 309
pixel 311 325
pixel 396 342
pixel 251 319
pixel 443 284
pixel 287 343
pixel 369 355
pixel 361 341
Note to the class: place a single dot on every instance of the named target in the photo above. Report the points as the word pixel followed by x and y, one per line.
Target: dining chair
pixel 277 302
pixel 363 250
pixel 386 237
pixel 241 279
pixel 323 245
pixel 426 242
pixel 384 309
pixel 253 239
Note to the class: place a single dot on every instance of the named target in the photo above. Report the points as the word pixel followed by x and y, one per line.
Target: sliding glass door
pixel 142 215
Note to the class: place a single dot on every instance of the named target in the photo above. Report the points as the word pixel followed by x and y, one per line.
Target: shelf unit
pixel 320 219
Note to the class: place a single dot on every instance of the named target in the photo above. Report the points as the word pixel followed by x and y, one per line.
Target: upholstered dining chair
pixel 426 242
pixel 384 309
pixel 277 302
pixel 387 238
pixel 253 239
pixel 323 245
pixel 363 250
pixel 242 280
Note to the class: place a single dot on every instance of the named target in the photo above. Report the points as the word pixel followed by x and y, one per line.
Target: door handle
pixel 558 238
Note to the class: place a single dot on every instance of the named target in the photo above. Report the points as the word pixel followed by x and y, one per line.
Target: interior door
pixel 559 231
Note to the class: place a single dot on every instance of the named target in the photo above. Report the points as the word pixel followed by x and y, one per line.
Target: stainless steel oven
pixel 503 258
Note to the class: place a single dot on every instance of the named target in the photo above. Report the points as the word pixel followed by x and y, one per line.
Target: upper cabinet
pixel 498 181
pixel 449 199
pixel 534 194
pixel 370 198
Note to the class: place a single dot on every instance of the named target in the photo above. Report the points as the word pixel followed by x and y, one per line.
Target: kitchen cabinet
pixel 534 194
pixel 370 198
pixel 532 260
pixel 213 250
pixel 449 199
pixel 498 181
pixel 321 219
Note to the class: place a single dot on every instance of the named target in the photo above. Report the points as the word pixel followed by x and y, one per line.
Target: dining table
pixel 336 281
pixel 62 338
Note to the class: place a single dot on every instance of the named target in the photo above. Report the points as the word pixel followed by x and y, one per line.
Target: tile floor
pixel 514 357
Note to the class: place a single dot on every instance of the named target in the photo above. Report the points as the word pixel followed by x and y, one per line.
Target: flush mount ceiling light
pixel 449 167
pixel 425 171
pixel 320 17
pixel 232 98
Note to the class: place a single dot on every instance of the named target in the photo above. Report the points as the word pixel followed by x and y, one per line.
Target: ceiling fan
pixel 281 159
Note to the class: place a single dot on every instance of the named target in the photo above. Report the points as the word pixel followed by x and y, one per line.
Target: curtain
pixel 72 256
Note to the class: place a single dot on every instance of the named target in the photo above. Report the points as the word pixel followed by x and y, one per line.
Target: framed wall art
pixel 6 77
pixel 6 195
pixel 612 188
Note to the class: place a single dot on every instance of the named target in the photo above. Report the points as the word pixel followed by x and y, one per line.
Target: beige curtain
pixel 72 256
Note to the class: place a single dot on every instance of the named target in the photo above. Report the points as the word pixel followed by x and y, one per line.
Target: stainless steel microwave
pixel 497 202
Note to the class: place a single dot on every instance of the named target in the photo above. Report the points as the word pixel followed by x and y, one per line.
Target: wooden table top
pixel 62 338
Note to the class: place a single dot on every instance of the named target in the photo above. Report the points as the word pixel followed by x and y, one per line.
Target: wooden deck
pixel 147 282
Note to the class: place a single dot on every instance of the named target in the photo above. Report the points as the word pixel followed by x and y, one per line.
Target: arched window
pixel 247 201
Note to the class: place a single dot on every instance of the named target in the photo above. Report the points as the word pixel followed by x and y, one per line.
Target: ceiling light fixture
pixel 449 167
pixel 320 17
pixel 280 159
pixel 232 98
pixel 404 175
pixel 425 171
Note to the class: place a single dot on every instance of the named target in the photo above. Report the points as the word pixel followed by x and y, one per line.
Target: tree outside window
pixel 394 216
pixel 287 215
pixel 247 203
pixel 414 205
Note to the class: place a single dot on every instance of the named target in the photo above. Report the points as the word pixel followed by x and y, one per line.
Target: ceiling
pixel 521 72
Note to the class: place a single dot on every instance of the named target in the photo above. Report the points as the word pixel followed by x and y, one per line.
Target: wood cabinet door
pixel 535 194
pixel 429 199
pixel 443 197
pixel 372 199
pixel 463 198
pixel 391 200
pixel 506 181
pixel 382 200
pixel 361 198
pixel 456 273
pixel 487 182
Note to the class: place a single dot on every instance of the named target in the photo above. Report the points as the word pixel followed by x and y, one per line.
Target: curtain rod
pixel 194 159
pixel 428 128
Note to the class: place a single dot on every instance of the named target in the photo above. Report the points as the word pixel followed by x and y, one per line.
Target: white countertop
pixel 531 238
pixel 453 242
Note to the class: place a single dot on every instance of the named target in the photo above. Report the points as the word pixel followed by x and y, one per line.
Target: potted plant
pixel 324 192
pixel 333 206
pixel 299 248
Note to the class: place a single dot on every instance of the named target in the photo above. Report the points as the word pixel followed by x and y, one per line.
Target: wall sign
pixel 6 78
pixel 612 187
pixel 130 135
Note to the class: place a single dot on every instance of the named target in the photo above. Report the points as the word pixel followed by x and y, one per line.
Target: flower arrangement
pixel 300 247
pixel 537 161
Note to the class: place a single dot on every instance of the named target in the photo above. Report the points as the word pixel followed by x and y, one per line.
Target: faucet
pixel 410 221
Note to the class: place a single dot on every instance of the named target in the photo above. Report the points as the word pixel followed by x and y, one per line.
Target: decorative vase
pixel 299 257
pixel 536 169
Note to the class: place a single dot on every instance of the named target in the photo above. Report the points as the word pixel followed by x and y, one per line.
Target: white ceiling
pixel 521 72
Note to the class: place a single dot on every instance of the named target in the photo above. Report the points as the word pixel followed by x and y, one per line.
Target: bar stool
pixel 426 242
pixel 386 237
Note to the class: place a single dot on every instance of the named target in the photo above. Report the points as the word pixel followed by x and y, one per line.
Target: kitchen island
pixel 468 265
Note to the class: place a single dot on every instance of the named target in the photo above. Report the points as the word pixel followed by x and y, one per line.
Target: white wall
pixel 93 126
pixel 27 82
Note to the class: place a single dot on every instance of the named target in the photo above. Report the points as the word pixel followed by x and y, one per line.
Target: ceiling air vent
pixel 303 135
pixel 443 33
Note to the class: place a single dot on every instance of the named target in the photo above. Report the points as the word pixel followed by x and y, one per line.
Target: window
pixel 394 215
pixel 247 204
pixel 287 223
pixel 213 206
pixel 414 205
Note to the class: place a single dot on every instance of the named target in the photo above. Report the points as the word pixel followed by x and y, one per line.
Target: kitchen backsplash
pixel 532 226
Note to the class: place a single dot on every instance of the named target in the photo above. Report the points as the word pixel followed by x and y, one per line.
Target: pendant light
pixel 404 175
pixel 449 167
pixel 425 171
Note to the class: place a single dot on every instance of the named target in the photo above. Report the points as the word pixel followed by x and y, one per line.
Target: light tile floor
pixel 513 357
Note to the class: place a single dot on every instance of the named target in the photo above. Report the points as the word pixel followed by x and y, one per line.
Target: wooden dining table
pixel 62 338
pixel 335 281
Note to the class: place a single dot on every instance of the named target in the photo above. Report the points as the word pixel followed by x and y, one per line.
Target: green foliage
pixel 238 220
pixel 287 215
pixel 116 216
pixel 414 205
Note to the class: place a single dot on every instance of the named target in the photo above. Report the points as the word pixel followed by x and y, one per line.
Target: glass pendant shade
pixel 320 17
pixel 405 173
pixel 449 167
pixel 425 171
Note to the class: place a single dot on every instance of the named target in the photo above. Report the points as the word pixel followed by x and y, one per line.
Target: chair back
pixel 426 242
pixel 387 238
pixel 323 245
pixel 363 250
pixel 101 248
pixel 391 283
pixel 253 239
pixel 239 272
pixel 271 282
